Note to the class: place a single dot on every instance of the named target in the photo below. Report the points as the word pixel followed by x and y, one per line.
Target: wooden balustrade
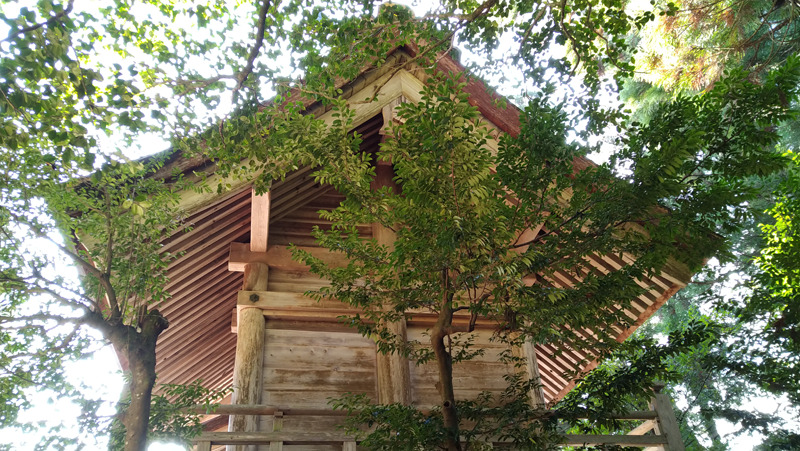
pixel 660 420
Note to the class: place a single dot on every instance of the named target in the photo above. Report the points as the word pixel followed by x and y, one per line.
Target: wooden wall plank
pixel 303 368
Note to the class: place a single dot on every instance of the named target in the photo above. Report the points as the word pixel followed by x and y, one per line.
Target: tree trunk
pixel 139 348
pixel 444 364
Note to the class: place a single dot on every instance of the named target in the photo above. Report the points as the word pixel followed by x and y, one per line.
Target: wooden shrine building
pixel 239 317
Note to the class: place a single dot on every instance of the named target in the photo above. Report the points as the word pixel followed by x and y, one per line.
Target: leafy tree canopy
pixel 79 82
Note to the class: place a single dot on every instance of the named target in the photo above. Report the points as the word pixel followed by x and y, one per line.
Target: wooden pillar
pixel 528 350
pixel 394 378
pixel 394 375
pixel 532 370
pixel 667 424
pixel 248 366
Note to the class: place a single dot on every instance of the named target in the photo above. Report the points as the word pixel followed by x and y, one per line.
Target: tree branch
pixel 48 22
pixel 103 278
pixel 251 58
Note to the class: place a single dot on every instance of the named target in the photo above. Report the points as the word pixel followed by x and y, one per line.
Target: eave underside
pixel 199 344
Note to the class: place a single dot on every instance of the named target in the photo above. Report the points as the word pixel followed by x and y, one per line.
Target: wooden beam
pixel 394 373
pixel 258 438
pixel 259 221
pixel 277 300
pixel 643 428
pixel 298 306
pixel 279 257
pixel 248 366
pixel 619 440
pixel 261 409
pixel 256 277
pixel 267 409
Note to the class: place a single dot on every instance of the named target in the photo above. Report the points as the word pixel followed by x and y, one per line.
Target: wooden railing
pixel 660 420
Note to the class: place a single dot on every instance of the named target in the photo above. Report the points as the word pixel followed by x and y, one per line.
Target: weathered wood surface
pixel 320 437
pixel 277 300
pixel 394 373
pixel 266 409
pixel 277 426
pixel 259 221
pixel 248 365
pixel 667 424
pixel 302 369
pixel 256 277
pixel 296 305
pixel 294 281
pixel 278 256
pixel 257 438
pixel 315 430
pixel 643 428
pixel 620 440
pixel 484 373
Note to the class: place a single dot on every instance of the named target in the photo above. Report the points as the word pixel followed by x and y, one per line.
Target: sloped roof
pixel 199 342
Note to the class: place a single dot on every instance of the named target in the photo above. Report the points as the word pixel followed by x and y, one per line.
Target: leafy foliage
pixel 78 81
pixel 113 220
pixel 456 230
pixel 692 43
pixel 169 415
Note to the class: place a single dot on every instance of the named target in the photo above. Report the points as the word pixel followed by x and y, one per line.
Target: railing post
pixel 277 426
pixel 667 425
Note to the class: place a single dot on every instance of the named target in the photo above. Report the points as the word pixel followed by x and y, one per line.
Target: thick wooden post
pixel 248 366
pixel 667 424
pixel 394 375
pixel 532 367
pixel 394 378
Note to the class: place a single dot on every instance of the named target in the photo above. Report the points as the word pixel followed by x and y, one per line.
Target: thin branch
pixel 109 226
pixel 76 258
pixel 192 85
pixel 575 216
pixel 59 319
pixel 251 58
pixel 51 21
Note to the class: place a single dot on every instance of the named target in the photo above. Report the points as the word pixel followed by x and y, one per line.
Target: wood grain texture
pixel 303 368
pixel 248 368
pixel 667 424
pixel 279 257
pixel 394 376
pixel 484 373
pixel 256 277
pixel 259 221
